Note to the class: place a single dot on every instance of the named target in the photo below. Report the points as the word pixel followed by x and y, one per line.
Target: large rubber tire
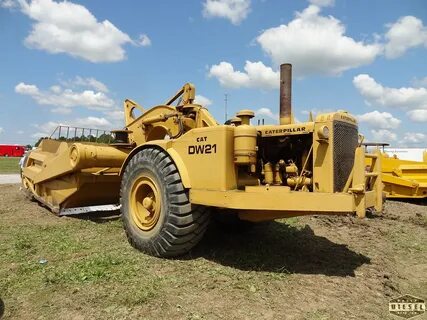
pixel 180 225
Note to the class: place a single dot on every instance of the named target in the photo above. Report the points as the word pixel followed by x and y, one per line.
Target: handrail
pixel 71 134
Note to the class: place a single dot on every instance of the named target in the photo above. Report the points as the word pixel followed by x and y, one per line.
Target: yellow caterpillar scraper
pixel 169 168
pixel 74 177
pixel 403 179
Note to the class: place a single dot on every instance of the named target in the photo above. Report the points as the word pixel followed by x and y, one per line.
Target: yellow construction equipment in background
pixel 402 178
pixel 169 168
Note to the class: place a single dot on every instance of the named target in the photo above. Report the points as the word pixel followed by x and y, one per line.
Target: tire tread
pixel 184 223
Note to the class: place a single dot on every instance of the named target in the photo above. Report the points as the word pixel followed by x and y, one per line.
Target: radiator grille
pixel 345 143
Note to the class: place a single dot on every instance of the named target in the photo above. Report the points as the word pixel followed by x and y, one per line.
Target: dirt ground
pixel 307 268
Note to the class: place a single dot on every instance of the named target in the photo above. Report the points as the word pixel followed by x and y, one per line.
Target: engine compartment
pixel 286 161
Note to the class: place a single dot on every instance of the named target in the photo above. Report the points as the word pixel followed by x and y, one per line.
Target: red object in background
pixel 11 150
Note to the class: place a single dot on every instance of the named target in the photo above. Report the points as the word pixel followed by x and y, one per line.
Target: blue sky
pixel 75 62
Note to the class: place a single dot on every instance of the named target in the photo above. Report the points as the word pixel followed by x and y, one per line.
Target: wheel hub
pixel 148 203
pixel 145 203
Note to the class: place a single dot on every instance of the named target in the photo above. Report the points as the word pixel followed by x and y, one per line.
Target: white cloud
pixel 413 138
pixel 144 40
pixel 322 3
pixel 92 122
pixel 1 130
pixel 66 27
pixel 38 135
pixel 8 4
pixel 417 115
pixel 316 44
pixel 117 115
pixel 316 111
pixel 61 110
pixel 234 10
pixel 81 82
pixel 410 139
pixel 268 113
pixel 20 132
pixel 407 32
pixel 28 89
pixel 381 120
pixel 256 75
pixel 55 89
pixel 376 94
pixel 65 98
pixel 89 82
pixel 420 83
pixel 383 135
pixel 203 101
pixel 47 128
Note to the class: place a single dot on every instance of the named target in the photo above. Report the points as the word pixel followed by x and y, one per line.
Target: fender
pixel 176 158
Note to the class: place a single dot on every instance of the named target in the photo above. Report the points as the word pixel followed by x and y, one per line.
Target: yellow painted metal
pixel 64 174
pixel 129 107
pixel 217 185
pixel 209 151
pixel 220 165
pixel 359 183
pixel 323 151
pixel 236 121
pixel 245 145
pixel 187 94
pixel 159 124
pixel 286 129
pixel 245 116
pixel 261 201
pixel 377 183
pixel 92 155
pixel 403 178
pixel 145 203
pixel 268 173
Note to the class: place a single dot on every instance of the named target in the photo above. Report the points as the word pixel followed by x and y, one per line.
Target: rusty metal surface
pixel 285 93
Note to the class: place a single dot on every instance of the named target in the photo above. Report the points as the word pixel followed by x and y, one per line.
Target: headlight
pixel 323 132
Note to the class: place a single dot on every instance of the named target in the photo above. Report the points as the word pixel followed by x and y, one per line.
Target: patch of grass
pixel 23 243
pixel 33 242
pixel 293 222
pixel 90 263
pixel 317 315
pixel 91 268
pixel 9 164
pixel 93 273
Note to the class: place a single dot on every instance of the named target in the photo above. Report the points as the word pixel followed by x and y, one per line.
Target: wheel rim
pixel 145 203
